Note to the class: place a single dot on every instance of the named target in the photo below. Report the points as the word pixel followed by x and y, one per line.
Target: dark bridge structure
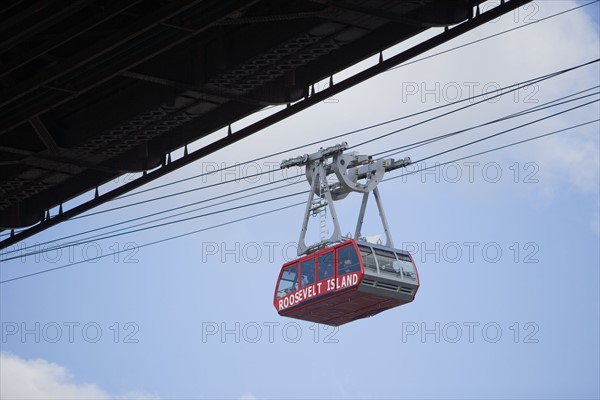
pixel 92 89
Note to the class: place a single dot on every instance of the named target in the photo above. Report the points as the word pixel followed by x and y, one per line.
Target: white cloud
pixel 575 158
pixel 40 379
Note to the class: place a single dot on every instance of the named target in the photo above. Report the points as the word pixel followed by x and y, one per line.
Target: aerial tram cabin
pixel 341 279
pixel 345 282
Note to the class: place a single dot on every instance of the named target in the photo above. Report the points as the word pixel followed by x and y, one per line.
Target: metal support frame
pixel 389 241
pixel 349 169
pixel 317 175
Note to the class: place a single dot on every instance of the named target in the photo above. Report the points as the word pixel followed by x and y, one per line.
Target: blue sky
pixel 506 244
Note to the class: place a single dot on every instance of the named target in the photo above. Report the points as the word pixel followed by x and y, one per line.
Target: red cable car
pixel 346 282
pixel 339 279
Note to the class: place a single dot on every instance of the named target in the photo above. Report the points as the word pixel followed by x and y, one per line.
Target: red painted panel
pixel 317 290
pixel 344 308
pixel 333 301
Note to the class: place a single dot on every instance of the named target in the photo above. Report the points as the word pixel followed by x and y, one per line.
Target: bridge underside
pixel 91 89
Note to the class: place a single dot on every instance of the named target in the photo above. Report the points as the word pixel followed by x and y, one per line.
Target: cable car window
pixel 387 262
pixel 407 267
pixel 347 260
pixel 368 258
pixel 288 282
pixel 307 272
pixel 326 266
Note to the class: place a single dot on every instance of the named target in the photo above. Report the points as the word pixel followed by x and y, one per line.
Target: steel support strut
pixel 319 186
pixel 354 173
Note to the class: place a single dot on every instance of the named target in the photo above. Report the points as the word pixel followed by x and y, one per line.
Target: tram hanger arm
pixel 323 153
pixel 390 164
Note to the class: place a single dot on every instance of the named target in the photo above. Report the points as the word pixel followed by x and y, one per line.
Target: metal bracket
pixel 350 170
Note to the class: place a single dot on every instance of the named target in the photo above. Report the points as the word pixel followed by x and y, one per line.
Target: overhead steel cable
pixel 494 35
pixel 120 232
pixel 219 197
pixel 562 98
pixel 379 124
pixel 167 196
pixel 501 91
pixel 493 149
pixel 286 207
pixel 113 235
pixel 110 234
pixel 484 39
pixel 507 130
pixel 446 51
pixel 351 81
pixel 433 118
pixel 514 87
pixel 153 243
pixel 552 103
